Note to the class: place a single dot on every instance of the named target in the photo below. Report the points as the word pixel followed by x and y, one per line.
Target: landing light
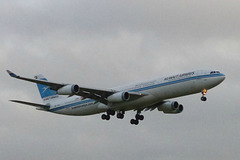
pixel 204 92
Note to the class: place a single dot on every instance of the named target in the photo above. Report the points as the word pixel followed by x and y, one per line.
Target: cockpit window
pixel 214 72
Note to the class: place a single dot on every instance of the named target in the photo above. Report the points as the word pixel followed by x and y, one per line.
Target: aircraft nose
pixel 222 78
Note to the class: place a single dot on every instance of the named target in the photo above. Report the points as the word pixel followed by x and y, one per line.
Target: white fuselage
pixel 156 91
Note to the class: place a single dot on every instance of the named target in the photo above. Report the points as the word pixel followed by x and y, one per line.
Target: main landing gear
pixel 137 118
pixel 120 115
pixel 204 92
pixel 107 116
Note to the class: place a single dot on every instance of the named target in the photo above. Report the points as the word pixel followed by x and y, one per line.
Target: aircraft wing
pixel 96 94
pixel 101 95
pixel 52 85
pixel 40 106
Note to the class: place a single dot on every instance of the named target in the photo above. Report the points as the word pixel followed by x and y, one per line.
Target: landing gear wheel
pixel 105 117
pixel 139 117
pixel 203 98
pixel 134 121
pixel 120 116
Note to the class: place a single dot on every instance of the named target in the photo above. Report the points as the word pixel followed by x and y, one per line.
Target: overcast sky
pixel 108 43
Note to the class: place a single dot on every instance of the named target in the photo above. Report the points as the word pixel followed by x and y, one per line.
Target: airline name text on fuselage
pixel 179 76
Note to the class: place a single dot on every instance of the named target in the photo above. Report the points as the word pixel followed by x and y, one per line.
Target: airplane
pixel 72 99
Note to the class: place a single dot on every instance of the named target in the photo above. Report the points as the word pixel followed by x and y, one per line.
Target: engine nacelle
pixel 171 107
pixel 69 90
pixel 119 97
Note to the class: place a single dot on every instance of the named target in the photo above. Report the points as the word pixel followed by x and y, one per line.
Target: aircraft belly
pixel 136 104
pixel 80 110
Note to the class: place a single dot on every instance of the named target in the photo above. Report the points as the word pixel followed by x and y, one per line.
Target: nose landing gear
pixel 204 92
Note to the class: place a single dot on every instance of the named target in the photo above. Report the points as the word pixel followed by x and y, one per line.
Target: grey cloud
pixel 165 18
pixel 109 43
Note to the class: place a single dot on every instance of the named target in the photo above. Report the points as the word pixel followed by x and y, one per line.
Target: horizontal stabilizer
pixel 41 106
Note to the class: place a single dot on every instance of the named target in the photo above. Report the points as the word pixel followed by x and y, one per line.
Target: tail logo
pixel 45 89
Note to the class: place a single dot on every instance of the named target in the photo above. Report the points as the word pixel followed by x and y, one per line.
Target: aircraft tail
pixel 46 93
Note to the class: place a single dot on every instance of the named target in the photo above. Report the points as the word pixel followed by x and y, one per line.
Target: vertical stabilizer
pixel 46 93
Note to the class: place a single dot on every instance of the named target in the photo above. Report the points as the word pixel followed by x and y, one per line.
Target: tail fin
pixel 46 93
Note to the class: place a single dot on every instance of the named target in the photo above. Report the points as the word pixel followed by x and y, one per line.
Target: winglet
pixel 12 74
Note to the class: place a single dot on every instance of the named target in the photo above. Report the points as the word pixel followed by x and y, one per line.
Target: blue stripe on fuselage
pixel 176 81
pixel 71 105
pixel 141 89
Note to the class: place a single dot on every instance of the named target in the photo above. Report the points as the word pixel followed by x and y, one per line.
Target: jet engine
pixel 171 107
pixel 69 90
pixel 119 97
